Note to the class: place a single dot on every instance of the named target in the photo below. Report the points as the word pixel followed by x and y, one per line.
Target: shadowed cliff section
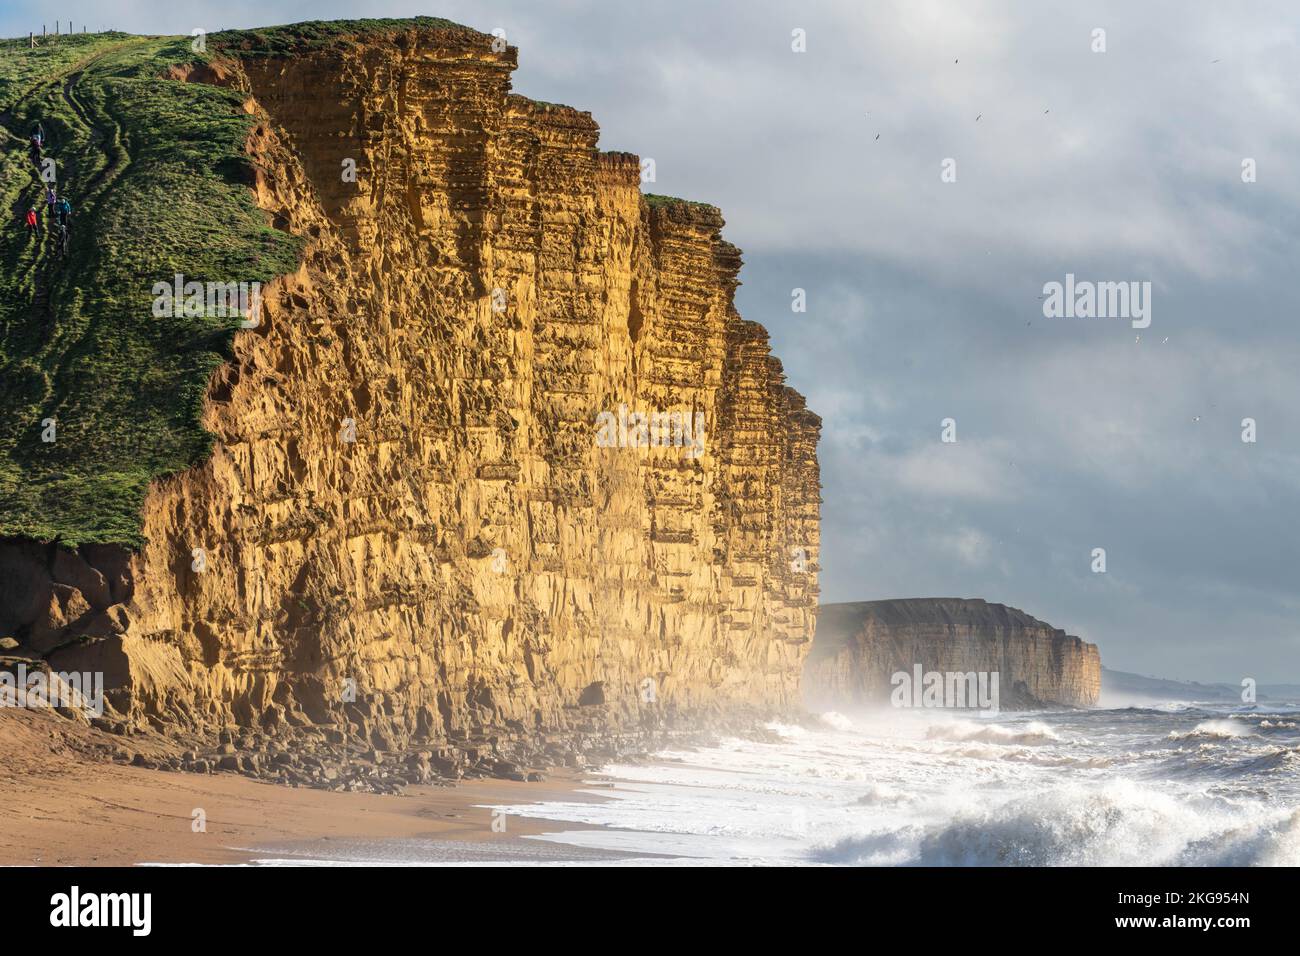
pixel 413 543
pixel 859 646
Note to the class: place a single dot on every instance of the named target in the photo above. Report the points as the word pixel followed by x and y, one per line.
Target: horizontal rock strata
pixel 860 646
pixel 409 535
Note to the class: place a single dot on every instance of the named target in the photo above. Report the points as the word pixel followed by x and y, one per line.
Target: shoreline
pixel 65 809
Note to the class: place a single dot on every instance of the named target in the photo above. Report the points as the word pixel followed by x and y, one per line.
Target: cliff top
pixel 838 624
pixel 296 38
pixel 685 211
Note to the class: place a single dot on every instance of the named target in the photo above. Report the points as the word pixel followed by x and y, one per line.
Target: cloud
pixel 967 545
pixel 954 472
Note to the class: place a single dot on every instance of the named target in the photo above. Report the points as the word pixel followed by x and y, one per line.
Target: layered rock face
pixel 860 646
pixel 410 497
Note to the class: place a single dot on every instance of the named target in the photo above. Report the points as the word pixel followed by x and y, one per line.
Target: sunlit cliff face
pixel 408 523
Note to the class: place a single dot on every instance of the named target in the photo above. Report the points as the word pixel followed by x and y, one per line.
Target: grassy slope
pixel 154 181
pixel 153 170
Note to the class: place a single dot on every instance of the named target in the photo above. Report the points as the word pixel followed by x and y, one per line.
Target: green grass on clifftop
pixel 655 199
pixel 313 34
pixel 156 173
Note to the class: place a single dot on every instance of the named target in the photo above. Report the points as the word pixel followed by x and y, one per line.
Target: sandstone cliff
pixel 859 646
pixel 407 496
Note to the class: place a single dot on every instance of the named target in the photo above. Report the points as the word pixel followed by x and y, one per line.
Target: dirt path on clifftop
pixel 59 809
pixel 106 132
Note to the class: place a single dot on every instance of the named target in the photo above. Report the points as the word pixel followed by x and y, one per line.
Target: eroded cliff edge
pixel 407 500
pixel 859 646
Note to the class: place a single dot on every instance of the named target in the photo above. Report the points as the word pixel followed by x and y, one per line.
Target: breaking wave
pixel 1121 824
pixel 961 731
pixel 836 720
pixel 1221 729
pixel 1177 787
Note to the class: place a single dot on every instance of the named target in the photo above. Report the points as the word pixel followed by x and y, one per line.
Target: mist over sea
pixel 1166 785
pixel 1173 784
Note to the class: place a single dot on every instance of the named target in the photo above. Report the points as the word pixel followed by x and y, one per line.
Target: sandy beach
pixel 63 809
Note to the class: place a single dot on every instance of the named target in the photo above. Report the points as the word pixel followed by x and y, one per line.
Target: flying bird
pixel 877 136
pixel 977 119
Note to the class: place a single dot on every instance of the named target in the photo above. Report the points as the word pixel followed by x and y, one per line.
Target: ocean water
pixel 1165 785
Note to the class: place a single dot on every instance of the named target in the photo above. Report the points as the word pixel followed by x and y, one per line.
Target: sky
pixel 834 168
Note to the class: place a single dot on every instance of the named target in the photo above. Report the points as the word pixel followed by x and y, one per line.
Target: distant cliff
pixel 859 646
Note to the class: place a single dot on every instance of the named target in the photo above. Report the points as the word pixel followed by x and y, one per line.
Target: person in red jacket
pixel 31 219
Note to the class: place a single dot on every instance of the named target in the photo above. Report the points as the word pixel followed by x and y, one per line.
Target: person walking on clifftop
pixel 30 221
